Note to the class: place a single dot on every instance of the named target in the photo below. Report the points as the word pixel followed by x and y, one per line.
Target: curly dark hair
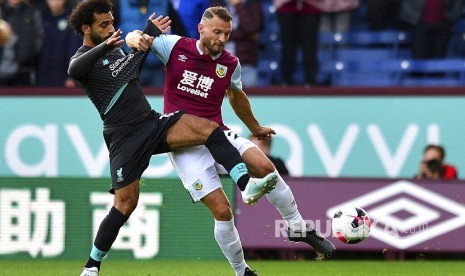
pixel 83 13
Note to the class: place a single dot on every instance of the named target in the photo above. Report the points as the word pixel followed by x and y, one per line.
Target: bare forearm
pixel 241 106
pixel 248 119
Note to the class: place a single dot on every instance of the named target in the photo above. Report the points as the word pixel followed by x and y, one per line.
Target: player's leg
pixel 259 164
pixel 191 130
pixel 198 172
pixel 283 200
pixel 226 234
pixel 125 202
pixel 282 197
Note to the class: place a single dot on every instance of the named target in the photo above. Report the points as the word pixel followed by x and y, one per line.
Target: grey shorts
pixel 131 147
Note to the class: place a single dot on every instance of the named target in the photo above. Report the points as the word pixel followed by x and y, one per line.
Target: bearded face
pixel 213 45
pixel 101 29
pixel 97 38
pixel 214 33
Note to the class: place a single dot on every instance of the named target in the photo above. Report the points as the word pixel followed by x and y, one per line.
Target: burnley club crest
pixel 221 70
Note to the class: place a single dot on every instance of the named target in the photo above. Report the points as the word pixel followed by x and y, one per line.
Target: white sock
pixel 283 199
pixel 227 237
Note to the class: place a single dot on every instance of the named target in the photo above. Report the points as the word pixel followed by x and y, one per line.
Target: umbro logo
pixel 182 58
pixel 407 214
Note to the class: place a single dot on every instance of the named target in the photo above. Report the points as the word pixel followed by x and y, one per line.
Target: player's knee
pixel 264 169
pixel 211 126
pixel 205 128
pixel 268 168
pixel 127 205
pixel 223 213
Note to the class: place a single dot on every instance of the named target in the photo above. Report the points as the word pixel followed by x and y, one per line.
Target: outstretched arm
pixel 79 66
pixel 241 106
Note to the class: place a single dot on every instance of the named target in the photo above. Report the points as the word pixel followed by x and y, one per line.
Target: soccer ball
pixel 351 225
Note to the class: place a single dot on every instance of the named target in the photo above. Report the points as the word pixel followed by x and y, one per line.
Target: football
pixel 351 225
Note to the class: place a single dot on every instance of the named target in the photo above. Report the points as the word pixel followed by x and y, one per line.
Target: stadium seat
pixel 433 72
pixel 383 68
pixel 409 81
pixel 457 42
pixel 389 39
pixel 374 54
pixel 383 38
pixel 270 47
pixel 269 37
pixel 364 72
pixel 268 72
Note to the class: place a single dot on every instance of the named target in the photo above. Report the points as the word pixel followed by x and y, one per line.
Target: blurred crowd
pixel 36 42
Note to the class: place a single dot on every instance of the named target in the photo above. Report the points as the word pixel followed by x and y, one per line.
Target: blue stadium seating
pixel 374 54
pixel 397 72
pixel 433 72
pixel 268 70
pixel 364 72
pixel 362 57
pixel 457 42
pixel 389 40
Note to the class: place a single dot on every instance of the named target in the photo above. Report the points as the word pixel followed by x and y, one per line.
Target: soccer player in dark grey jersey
pixel 133 132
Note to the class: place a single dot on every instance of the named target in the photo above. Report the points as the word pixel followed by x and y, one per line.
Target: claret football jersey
pixel 196 82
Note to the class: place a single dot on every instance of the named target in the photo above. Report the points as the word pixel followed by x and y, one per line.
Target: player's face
pixel 102 28
pixel 214 33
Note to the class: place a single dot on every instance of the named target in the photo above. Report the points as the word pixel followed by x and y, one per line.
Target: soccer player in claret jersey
pixel 132 130
pixel 199 73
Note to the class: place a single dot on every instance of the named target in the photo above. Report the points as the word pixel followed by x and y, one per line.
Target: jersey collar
pixel 197 44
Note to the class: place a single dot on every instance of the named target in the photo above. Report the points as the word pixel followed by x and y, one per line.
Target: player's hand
pixel 264 133
pixel 162 22
pixel 115 39
pixel 145 42
pixel 137 40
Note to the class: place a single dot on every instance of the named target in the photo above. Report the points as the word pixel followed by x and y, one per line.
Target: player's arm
pixel 79 66
pixel 161 46
pixel 243 109
pixel 142 40
pixel 241 105
pixel 137 40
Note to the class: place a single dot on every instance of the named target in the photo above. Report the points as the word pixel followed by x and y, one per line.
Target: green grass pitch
pixel 219 268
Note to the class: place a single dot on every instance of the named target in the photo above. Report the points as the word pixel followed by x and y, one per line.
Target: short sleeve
pixel 236 82
pixel 163 45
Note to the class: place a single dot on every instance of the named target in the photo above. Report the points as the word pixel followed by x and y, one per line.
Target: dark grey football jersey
pixel 110 79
